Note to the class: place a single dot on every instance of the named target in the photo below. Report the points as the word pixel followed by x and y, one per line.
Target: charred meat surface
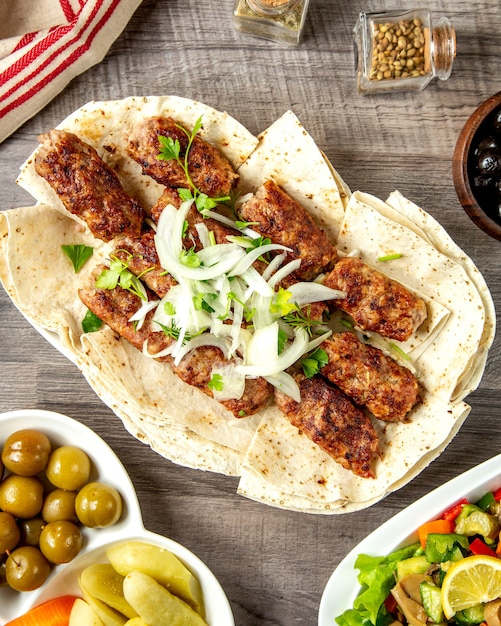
pixel 334 423
pixel 87 186
pixel 114 307
pixel 286 222
pixel 141 257
pixel 196 370
pixel 169 196
pixel 209 170
pixel 369 377
pixel 376 303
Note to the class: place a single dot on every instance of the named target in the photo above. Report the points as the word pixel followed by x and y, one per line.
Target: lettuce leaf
pixel 377 577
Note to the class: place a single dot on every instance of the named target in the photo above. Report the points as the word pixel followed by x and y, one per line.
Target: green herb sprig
pixel 78 254
pixel 171 150
pixel 314 361
pixel 119 274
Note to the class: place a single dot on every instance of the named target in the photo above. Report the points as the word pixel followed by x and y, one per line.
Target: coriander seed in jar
pixel 402 50
pixel 278 20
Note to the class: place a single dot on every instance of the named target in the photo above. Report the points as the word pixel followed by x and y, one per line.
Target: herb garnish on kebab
pixel 223 302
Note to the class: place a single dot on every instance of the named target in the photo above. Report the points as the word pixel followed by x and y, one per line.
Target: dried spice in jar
pixel 402 50
pixel 279 20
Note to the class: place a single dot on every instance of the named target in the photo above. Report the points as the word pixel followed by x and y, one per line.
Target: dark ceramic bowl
pixel 478 204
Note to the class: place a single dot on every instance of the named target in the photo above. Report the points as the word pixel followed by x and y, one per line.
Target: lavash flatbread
pixel 277 464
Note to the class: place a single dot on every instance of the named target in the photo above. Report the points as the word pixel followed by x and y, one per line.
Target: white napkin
pixel 46 43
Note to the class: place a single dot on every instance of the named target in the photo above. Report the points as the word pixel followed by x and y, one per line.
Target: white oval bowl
pixel 63 579
pixel 343 587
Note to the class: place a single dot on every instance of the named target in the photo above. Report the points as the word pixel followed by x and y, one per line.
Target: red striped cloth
pixel 37 63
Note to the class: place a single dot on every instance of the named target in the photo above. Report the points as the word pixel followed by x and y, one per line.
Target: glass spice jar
pixel 402 50
pixel 279 20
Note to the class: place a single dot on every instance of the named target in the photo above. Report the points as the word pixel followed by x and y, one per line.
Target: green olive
pixel 98 505
pixel 68 468
pixel 26 452
pixel 9 532
pixel 22 496
pixel 60 542
pixel 30 531
pixel 26 569
pixel 58 505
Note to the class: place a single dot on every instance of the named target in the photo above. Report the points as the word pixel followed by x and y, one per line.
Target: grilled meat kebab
pixel 376 303
pixel 90 189
pixel 209 170
pixel 334 423
pixel 86 186
pixel 286 222
pixel 369 377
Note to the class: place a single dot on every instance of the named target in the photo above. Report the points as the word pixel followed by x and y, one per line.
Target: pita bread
pixel 277 465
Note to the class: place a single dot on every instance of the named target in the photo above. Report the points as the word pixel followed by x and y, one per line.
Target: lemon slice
pixel 473 580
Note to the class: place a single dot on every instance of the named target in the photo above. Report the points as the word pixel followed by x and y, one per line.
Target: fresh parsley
pixel 91 322
pixel 118 274
pixel 216 383
pixel 78 254
pixel 313 362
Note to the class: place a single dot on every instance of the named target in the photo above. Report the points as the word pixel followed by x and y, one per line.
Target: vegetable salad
pixel 406 586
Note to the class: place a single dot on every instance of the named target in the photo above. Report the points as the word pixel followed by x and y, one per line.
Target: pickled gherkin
pixel 156 605
pixel 161 565
pixel 104 583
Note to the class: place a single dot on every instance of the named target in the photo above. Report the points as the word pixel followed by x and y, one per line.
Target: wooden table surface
pixel 274 564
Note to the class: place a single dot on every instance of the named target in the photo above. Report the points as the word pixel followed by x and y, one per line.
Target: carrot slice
pixel 55 612
pixel 441 526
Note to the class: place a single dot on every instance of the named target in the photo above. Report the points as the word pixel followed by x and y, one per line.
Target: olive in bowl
pixel 476 166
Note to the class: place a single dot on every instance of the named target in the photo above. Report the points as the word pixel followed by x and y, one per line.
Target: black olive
pixel 489 162
pixel 487 143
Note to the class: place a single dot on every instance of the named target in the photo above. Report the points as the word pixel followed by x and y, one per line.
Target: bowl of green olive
pixel 476 166
pixel 72 537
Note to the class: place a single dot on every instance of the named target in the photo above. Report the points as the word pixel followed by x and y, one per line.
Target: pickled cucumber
pixel 82 614
pixel 106 614
pixel 161 565
pixel 156 605
pixel 104 583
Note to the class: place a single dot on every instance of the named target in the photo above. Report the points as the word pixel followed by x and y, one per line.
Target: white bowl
pixel 108 468
pixel 343 586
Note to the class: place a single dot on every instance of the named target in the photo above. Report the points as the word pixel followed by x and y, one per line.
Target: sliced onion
pixel 262 314
pixel 230 255
pixel 203 234
pixel 256 283
pixel 253 255
pixel 229 222
pixel 286 384
pixel 284 271
pixel 233 382
pixel 305 293
pixel 140 315
pixel 273 265
pixel 263 347
pixel 287 358
pixel 314 343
